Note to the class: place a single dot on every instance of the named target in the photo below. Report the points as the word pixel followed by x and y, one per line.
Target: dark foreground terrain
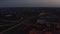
pixel 30 20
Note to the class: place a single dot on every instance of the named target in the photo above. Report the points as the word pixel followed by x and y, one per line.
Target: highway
pixel 21 24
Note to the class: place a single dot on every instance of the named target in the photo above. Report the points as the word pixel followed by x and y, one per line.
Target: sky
pixel 29 3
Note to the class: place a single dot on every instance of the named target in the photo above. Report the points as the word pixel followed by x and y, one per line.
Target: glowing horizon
pixel 30 3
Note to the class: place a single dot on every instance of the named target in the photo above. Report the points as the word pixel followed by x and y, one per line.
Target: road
pixel 18 28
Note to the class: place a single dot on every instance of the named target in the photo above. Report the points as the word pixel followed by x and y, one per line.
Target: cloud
pixel 19 3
